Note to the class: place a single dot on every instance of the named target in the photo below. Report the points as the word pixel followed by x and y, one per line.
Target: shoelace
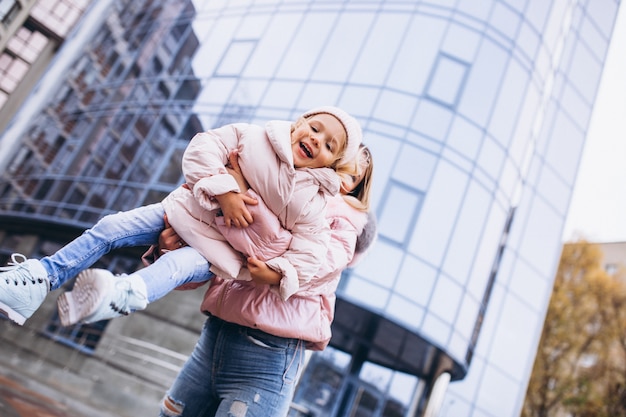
pixel 20 273
pixel 121 307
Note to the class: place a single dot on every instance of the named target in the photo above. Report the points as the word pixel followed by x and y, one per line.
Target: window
pixel 8 10
pixel 447 80
pixel 235 58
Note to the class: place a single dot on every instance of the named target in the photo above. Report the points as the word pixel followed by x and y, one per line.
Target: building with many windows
pixel 476 115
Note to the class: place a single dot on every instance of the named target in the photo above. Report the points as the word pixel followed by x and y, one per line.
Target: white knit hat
pixel 354 135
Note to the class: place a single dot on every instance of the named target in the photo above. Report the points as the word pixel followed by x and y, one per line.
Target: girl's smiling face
pixel 318 141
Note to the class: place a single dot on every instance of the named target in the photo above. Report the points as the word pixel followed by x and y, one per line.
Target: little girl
pixel 347 217
pixel 281 162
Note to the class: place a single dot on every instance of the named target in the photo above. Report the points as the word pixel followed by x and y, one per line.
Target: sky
pixel 598 206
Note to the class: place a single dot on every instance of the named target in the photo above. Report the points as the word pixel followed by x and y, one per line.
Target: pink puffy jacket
pixel 296 196
pixel 308 313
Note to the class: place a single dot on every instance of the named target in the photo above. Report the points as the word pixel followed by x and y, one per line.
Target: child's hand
pixel 261 273
pixel 234 209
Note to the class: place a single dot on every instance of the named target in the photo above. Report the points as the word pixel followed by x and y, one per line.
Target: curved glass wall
pixel 475 112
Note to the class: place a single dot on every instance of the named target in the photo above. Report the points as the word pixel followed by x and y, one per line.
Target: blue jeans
pixel 137 227
pixel 236 371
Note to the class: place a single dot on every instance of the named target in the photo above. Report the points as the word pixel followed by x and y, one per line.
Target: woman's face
pixel 318 141
pixel 349 182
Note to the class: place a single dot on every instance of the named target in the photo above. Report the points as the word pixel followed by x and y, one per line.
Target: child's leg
pixel 137 227
pixel 100 295
pixel 173 269
pixel 25 283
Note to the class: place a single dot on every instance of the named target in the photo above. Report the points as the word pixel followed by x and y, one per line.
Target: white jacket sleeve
pixel 309 243
pixel 204 163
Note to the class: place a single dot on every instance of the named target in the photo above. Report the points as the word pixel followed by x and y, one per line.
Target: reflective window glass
pixel 438 214
pixel 447 79
pixel 414 167
pixel 505 20
pixel 403 311
pixel 432 120
pixel 446 298
pixel 342 48
pixel 398 212
pixel 477 9
pixel 415 280
pixel 413 62
pixel 281 94
pixel 360 99
pixel 566 141
pixel 576 106
pixel 487 251
pixel 507 389
pixel 436 329
pixel 542 222
pixel 461 43
pixel 367 293
pixel 375 56
pixel 381 273
pixel 467 317
pixel 464 137
pixel 482 85
pixel 507 107
pixel 584 66
pixel 554 190
pixel 5 9
pixel 510 349
pixel 215 38
pixel 467 234
pixel 395 107
pixel 491 157
pixel 537 12
pixel 531 287
pixel 27 44
pixel 235 59
pixel 276 36
pixel 304 46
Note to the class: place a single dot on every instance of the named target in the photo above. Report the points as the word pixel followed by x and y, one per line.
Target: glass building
pixel 476 115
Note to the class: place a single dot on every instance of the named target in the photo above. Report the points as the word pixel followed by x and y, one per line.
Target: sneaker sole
pixel 12 315
pixel 83 301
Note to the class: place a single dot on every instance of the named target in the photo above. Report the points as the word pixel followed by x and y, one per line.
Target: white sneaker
pixel 24 285
pixel 100 295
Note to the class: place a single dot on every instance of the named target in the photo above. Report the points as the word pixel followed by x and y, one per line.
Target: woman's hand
pixel 261 273
pixel 169 239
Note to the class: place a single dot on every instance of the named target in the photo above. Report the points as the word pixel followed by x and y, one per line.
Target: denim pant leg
pixel 137 227
pixel 192 393
pixel 256 373
pixel 237 371
pixel 172 269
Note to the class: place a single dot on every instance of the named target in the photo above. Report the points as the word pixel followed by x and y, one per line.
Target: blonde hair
pixel 359 197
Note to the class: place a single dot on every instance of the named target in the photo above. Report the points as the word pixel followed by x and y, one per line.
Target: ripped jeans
pixel 236 371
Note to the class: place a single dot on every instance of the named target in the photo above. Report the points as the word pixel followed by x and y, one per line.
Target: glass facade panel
pixel 421 45
pixel 483 83
pixel 235 58
pixel 430 237
pixel 466 237
pixel 445 299
pixel 398 213
pixel 447 80
pixel 432 120
pixel 416 281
